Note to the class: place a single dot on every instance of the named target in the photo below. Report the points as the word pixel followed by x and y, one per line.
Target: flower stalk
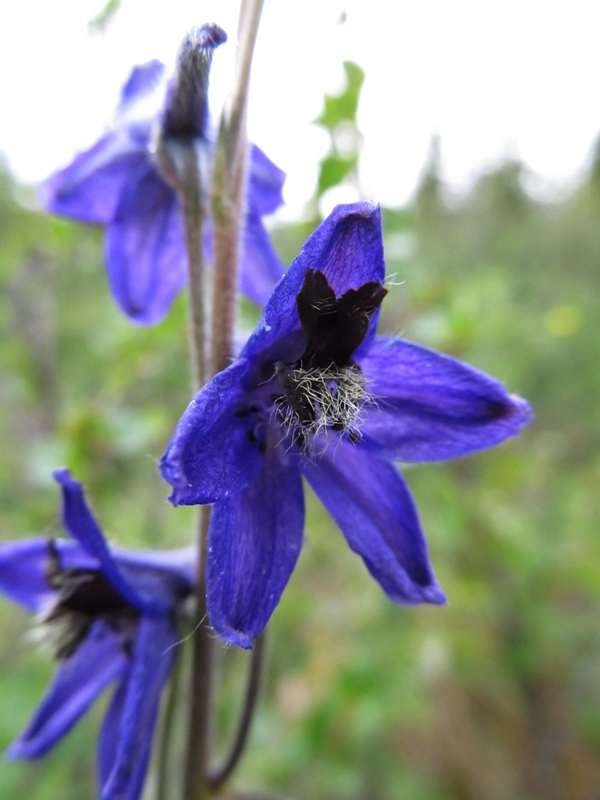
pixel 228 191
pixel 209 356
pixel 220 775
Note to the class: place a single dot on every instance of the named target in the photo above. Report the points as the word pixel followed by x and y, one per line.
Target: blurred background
pixel 494 696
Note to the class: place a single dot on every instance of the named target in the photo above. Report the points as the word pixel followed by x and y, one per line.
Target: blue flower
pixel 315 393
pixel 111 617
pixel 118 183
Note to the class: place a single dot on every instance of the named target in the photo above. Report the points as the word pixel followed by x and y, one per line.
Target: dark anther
pixel 334 326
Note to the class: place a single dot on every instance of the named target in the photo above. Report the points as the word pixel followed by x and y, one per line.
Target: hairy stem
pixel 201 678
pixel 229 191
pixel 193 214
pixel 201 684
pixel 228 211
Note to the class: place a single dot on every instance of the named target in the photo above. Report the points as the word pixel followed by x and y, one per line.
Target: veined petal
pixel 253 543
pixel 431 407
pixel 79 521
pixel 77 682
pixel 126 737
pixel 209 456
pixel 371 504
pixel 261 267
pixel 265 183
pixel 89 189
pixel 347 247
pixel 145 250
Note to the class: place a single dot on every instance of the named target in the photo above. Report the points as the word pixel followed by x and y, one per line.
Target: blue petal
pixel 253 544
pixel 265 183
pixel 142 82
pixel 145 248
pixel 80 523
pixel 89 189
pixel 24 567
pixel 431 407
pixel 261 267
pixel 347 247
pixel 126 737
pixel 159 568
pixel 371 504
pixel 77 682
pixel 209 456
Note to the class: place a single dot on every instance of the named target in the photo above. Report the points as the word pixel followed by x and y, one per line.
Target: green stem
pixel 228 196
pixel 193 213
pixel 201 681
pixel 229 191
pixel 201 678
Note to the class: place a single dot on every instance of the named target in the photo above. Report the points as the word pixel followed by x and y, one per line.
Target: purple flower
pixel 111 617
pixel 316 393
pixel 118 183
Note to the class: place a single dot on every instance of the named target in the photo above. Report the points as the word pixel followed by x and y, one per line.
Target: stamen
pixel 318 400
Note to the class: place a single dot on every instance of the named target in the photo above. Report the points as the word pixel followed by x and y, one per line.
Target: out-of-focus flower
pixel 111 617
pixel 315 393
pixel 119 183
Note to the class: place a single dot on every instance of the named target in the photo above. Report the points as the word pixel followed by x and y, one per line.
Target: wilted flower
pixel 315 393
pixel 110 617
pixel 118 183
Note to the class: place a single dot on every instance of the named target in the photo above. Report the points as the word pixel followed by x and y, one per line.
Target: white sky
pixel 491 77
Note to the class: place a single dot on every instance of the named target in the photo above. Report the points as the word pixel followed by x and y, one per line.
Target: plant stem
pixel 201 678
pixel 201 683
pixel 229 191
pixel 227 202
pixel 193 213
pixel 228 196
pixel 163 790
pixel 220 775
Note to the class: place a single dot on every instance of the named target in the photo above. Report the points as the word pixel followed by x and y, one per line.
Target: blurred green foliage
pixel 338 118
pixel 494 696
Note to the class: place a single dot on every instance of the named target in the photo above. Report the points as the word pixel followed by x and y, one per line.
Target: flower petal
pixel 126 737
pixel 371 504
pixel 347 247
pixel 145 250
pixel 431 407
pixel 77 682
pixel 167 567
pixel 253 543
pixel 209 456
pixel 89 189
pixel 142 81
pixel 80 523
pixel 24 567
pixel 261 267
pixel 265 183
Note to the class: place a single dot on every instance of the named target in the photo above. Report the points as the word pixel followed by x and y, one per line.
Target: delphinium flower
pixel 111 617
pixel 315 393
pixel 119 183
